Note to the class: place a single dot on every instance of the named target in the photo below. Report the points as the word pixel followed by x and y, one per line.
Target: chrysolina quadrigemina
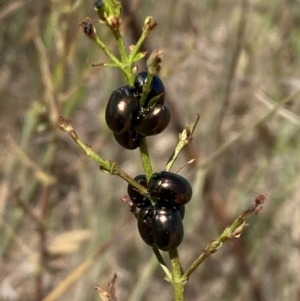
pixel 144 223
pixel 129 140
pixel 128 120
pixel 138 199
pixel 170 186
pixel 153 120
pixel 158 225
pixel 121 110
pixel 161 225
pixel 167 227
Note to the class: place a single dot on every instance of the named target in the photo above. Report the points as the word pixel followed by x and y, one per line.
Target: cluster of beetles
pixel 128 120
pixel 160 225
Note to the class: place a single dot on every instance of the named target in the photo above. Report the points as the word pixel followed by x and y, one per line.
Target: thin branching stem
pixel 184 138
pixel 145 158
pixel 178 285
pixel 146 89
pixel 234 230
pixel 105 165
pixel 108 52
pixel 162 263
pixel 137 47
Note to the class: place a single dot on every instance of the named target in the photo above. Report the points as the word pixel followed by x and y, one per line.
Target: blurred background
pixel 63 227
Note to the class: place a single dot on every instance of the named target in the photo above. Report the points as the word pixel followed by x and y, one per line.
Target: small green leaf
pixel 139 56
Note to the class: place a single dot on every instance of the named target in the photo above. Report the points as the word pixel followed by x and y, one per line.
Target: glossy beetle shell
pixel 156 89
pixel 167 227
pixel 153 121
pixel 129 140
pixel 121 110
pixel 138 199
pixel 145 225
pixel 181 209
pixel 170 187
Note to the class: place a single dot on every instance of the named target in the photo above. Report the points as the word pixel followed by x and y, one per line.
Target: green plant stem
pixel 185 137
pixel 106 165
pixel 178 289
pixel 137 46
pixel 234 230
pixel 146 89
pixel 181 143
pixel 126 67
pixel 178 285
pixel 210 249
pixel 162 263
pixel 121 46
pixel 108 52
pixel 145 158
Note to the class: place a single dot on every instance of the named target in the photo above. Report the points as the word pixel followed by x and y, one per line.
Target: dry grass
pixel 63 228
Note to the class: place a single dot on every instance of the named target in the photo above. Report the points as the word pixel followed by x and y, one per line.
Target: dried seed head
pixel 88 28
